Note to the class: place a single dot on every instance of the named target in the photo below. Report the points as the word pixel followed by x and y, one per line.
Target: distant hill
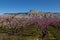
pixel 32 13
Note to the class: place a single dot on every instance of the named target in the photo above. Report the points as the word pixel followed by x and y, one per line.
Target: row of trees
pixel 45 23
pixel 13 25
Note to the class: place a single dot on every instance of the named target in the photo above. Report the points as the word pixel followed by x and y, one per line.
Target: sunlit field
pixel 34 28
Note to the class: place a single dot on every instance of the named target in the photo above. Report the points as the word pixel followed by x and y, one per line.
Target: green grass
pixel 32 33
pixel 22 38
pixel 18 37
pixel 29 33
pixel 54 32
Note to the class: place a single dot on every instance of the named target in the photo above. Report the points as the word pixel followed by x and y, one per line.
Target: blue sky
pixel 9 6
